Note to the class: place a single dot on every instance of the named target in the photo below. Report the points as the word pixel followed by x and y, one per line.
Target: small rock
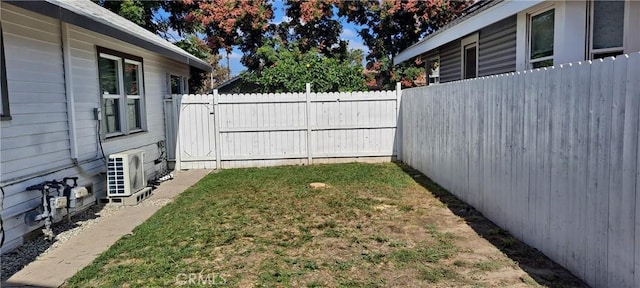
pixel 318 185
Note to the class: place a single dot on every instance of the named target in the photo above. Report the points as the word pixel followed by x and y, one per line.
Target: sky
pixel 349 32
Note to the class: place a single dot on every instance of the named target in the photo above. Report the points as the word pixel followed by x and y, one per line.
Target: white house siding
pixel 35 144
pixel 36 139
pixel 85 83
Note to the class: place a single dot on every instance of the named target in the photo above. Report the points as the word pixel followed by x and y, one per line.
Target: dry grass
pixel 375 226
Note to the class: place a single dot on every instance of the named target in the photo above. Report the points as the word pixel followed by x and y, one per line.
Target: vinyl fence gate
pixel 254 130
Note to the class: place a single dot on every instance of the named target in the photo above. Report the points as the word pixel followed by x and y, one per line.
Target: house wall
pixel 35 145
pixel 85 88
pixel 570 30
pixel 497 48
pixel 496 52
pixel 503 45
pixel 550 155
pixel 632 39
pixel 450 67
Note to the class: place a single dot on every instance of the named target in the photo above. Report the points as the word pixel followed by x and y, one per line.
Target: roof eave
pixel 54 11
pixel 474 23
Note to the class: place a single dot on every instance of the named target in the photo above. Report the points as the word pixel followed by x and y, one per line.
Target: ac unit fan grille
pixel 115 176
pixel 125 173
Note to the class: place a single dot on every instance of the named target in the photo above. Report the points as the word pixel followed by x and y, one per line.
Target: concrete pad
pixel 70 257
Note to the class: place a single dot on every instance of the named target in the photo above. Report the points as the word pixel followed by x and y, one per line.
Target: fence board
pixel 530 103
pixel 552 155
pixel 276 129
pixel 633 90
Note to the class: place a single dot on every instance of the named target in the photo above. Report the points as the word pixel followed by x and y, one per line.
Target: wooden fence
pixel 550 155
pixel 252 130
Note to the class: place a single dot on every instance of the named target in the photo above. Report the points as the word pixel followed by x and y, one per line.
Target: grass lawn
pixel 376 225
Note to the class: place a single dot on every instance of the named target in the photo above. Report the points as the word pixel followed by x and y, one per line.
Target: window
pixel 121 87
pixel 176 84
pixel 607 28
pixel 433 70
pixel 4 97
pixel 469 57
pixel 541 27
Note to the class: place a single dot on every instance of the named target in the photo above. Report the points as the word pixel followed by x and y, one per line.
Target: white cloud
pixel 357 44
pixel 348 34
pixel 235 55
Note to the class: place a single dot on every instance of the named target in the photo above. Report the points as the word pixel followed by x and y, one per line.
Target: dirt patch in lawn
pixel 374 226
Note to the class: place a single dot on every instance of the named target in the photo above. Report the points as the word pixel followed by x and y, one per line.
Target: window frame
pixel 181 83
pixel 620 50
pixel 5 112
pixel 121 60
pixel 138 97
pixel 530 15
pixel 471 40
pixel 430 60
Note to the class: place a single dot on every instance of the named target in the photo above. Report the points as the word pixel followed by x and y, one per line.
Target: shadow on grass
pixel 35 244
pixel 539 267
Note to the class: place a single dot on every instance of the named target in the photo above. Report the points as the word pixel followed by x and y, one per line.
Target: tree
pixel 147 15
pixel 247 25
pixel 288 69
pixel 201 81
pixel 313 25
pixel 143 13
pixel 232 23
pixel 392 26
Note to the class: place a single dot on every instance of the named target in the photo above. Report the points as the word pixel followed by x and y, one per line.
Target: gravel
pixel 31 250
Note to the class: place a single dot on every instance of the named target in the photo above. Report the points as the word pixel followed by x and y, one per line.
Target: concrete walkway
pixel 67 259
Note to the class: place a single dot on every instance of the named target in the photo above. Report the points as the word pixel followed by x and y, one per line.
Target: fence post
pixel 177 100
pixel 308 109
pixel 216 128
pixel 398 122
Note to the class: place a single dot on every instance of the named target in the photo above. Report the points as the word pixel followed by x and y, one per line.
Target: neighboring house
pixel 507 36
pixel 236 85
pixel 66 64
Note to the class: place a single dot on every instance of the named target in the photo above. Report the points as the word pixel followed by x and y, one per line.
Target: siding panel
pixel 497 48
pixel 35 143
pixel 450 66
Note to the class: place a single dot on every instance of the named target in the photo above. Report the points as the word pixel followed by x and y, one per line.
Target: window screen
pixel 542 34
pixel 608 24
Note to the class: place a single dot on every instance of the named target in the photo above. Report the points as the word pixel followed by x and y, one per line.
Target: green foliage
pixel 143 13
pixel 198 48
pixel 287 69
pixel 390 27
pixel 195 46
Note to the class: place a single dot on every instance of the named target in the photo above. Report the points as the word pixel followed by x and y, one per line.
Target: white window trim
pixel 428 68
pixel 183 84
pixel 118 96
pixel 522 33
pixel 140 97
pixel 530 15
pixel 625 31
pixel 5 113
pixel 471 40
pixel 123 97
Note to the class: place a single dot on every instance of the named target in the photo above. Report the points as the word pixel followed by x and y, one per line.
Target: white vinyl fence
pixel 253 130
pixel 550 155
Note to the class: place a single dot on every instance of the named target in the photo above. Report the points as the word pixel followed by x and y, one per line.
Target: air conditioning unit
pixel 125 173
